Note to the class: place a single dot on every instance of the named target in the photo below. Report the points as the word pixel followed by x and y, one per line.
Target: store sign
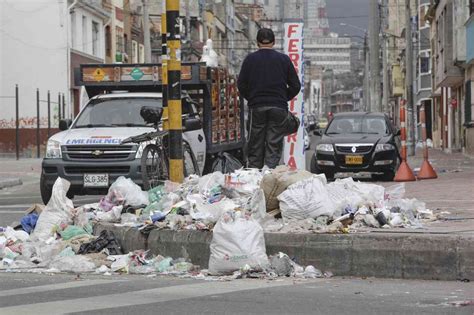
pixel 293 153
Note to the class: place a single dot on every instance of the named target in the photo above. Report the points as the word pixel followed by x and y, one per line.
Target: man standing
pixel 267 80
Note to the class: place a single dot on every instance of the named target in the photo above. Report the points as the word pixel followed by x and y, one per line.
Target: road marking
pixel 11 211
pixel 150 296
pixel 16 206
pixel 52 287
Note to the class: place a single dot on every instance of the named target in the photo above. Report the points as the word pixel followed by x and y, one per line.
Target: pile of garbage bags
pixel 239 207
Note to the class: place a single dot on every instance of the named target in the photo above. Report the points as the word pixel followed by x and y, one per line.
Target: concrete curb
pixel 383 255
pixel 10 182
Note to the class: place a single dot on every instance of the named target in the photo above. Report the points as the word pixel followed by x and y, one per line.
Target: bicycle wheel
pixel 154 163
pixel 190 163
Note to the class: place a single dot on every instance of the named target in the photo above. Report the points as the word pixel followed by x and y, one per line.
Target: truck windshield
pixel 358 125
pixel 117 112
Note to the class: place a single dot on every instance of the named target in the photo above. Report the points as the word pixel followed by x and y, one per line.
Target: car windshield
pixel 358 125
pixel 117 112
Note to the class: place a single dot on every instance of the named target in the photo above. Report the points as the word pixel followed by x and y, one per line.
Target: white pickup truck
pixel 89 152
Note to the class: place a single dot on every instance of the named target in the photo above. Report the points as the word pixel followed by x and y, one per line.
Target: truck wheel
pixel 45 190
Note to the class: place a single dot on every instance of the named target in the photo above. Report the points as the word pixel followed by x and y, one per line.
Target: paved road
pixel 59 294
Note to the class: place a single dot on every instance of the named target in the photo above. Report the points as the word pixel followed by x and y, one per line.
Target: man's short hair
pixel 265 36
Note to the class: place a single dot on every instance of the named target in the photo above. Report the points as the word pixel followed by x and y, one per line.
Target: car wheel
pixel 313 168
pixel 329 176
pixel 45 190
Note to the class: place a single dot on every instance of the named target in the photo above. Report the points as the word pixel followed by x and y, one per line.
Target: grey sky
pixel 356 12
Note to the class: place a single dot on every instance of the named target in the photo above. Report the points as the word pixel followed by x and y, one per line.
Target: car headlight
pixel 384 147
pixel 325 147
pixel 53 149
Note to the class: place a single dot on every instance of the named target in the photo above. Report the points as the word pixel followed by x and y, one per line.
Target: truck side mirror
pixel 64 124
pixel 192 123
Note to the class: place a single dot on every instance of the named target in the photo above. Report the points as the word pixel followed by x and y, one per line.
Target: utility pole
pixel 366 76
pixel 409 81
pixel 174 92
pixel 385 83
pixel 164 65
pixel 374 47
pixel 146 31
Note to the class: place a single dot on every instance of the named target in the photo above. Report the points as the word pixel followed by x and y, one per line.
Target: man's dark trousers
pixel 266 136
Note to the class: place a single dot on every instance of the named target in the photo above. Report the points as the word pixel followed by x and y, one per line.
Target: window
pixel 108 41
pixel 95 38
pixel 118 40
pixel 134 52
pixel 141 53
pixel 471 7
pixel 425 62
pixel 73 30
pixel 423 9
pixel 84 33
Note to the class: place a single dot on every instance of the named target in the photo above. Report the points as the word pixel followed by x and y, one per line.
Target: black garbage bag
pixel 226 163
pixel 107 240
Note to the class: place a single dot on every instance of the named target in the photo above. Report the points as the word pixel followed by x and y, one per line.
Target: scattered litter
pixel 238 206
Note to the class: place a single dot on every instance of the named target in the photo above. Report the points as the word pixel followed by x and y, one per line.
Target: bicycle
pixel 154 159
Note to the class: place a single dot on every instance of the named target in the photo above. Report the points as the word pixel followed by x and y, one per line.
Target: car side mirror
pixel 317 132
pixel 398 132
pixel 64 124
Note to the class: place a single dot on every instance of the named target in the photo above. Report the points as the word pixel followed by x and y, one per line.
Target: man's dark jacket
pixel 268 78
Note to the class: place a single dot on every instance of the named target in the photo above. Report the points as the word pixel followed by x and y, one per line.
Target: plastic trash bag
pixel 256 205
pixel 28 222
pixel 346 192
pixel 237 241
pixel 110 216
pixel 131 192
pixel 226 163
pixel 308 198
pixel 394 192
pixel 58 210
pixel 76 264
pixel 106 240
pixel 212 212
pixel 72 231
pixel 208 182
pixel 244 181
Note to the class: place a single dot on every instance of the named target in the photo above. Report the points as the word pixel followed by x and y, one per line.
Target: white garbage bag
pixel 347 192
pixel 76 264
pixel 237 241
pixel 394 192
pixel 212 211
pixel 277 180
pixel 58 210
pixel 131 192
pixel 308 198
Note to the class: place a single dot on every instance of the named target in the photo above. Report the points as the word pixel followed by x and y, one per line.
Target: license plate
pixel 96 180
pixel 354 159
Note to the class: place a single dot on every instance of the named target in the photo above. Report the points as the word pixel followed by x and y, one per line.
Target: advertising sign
pixel 294 144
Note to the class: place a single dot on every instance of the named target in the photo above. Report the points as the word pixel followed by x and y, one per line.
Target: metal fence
pixel 48 100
